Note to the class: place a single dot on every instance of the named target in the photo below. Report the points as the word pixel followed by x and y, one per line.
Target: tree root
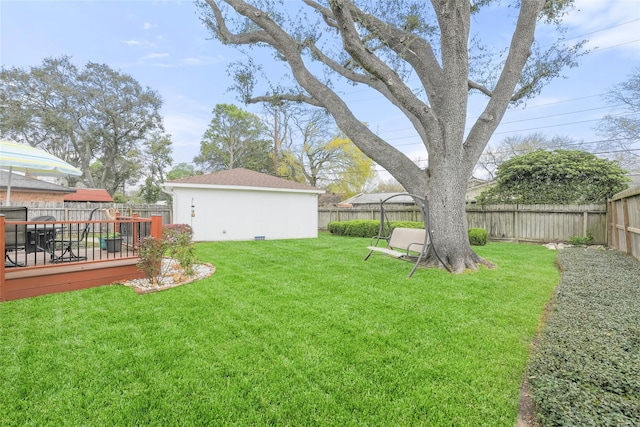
pixel 459 263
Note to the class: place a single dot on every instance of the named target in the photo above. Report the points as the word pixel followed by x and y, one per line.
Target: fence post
pixel 156 226
pixel 627 232
pixel 516 225
pixel 615 237
pixel 2 268
pixel 608 221
pixel 134 231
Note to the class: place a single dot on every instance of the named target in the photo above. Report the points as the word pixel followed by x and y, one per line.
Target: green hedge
pixel 366 227
pixel 478 236
pixel 370 228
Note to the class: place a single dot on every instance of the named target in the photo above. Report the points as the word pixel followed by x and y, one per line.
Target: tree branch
pixel 371 144
pixel 519 51
pixel 342 11
pixel 477 86
pixel 285 97
pixel 228 37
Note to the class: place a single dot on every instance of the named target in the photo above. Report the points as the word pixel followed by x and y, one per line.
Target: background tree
pixel 518 145
pixel 157 162
pixel 235 139
pixel 182 170
pixel 126 115
pixel 306 156
pixel 316 154
pixel 353 172
pixel 379 45
pixel 556 177
pixel 97 119
pixel 389 185
pixel 622 131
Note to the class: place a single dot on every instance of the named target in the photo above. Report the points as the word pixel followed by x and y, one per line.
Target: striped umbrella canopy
pixel 24 158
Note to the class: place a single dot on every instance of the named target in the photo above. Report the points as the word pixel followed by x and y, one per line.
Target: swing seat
pixel 403 243
pixel 409 244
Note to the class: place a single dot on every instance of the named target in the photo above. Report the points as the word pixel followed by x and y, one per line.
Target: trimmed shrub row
pixel 366 227
pixel 370 228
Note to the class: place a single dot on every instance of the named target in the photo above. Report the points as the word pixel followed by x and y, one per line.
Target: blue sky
pixel 164 46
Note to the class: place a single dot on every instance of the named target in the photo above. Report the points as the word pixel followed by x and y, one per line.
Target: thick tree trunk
pixel 445 193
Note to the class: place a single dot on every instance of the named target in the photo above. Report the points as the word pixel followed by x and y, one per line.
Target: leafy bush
pixel 175 243
pixel 478 236
pixel 582 240
pixel 179 245
pixel 151 251
pixel 366 228
pixel 558 176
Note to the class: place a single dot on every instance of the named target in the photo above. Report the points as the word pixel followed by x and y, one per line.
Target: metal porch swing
pixel 409 244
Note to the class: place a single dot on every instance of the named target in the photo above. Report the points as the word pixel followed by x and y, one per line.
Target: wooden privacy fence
pixel 540 223
pixel 526 223
pixel 624 222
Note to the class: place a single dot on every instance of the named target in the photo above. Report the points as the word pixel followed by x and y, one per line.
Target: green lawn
pixel 297 332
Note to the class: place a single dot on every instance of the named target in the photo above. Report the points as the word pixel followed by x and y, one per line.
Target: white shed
pixel 241 204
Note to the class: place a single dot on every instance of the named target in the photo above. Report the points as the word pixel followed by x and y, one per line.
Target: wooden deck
pixel 41 271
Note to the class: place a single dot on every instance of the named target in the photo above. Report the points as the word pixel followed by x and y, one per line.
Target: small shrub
pixel 582 240
pixel 478 236
pixel 179 245
pixel 175 243
pixel 151 252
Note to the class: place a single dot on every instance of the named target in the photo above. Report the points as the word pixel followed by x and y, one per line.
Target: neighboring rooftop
pixel 27 183
pixel 89 195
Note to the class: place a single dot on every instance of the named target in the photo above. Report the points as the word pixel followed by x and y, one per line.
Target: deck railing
pixel 32 243
pixel 33 249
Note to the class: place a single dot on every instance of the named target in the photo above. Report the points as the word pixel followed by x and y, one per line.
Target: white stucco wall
pixel 243 213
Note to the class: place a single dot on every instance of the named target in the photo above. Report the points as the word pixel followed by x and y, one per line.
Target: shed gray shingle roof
pixel 243 178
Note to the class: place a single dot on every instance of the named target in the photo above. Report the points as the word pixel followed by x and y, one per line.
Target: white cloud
pixel 189 61
pixel 147 26
pixel 134 42
pixel 152 56
pixel 607 23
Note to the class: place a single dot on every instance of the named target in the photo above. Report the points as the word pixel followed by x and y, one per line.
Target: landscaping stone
pixel 170 272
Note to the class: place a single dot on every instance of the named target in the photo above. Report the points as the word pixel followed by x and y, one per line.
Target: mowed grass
pixel 286 333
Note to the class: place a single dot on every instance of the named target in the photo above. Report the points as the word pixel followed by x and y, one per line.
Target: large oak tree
pixel 95 118
pixel 379 44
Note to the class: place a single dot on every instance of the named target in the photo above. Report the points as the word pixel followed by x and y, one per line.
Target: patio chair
pixel 15 236
pixel 68 253
pixel 38 235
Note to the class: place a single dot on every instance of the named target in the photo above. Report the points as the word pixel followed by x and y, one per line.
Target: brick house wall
pixel 32 196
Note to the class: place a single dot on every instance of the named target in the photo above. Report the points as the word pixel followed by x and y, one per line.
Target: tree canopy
pixel 556 177
pixel 234 139
pixel 381 46
pixel 96 118
pixel 314 152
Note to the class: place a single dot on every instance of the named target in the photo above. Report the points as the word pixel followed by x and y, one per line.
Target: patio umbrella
pixel 24 158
